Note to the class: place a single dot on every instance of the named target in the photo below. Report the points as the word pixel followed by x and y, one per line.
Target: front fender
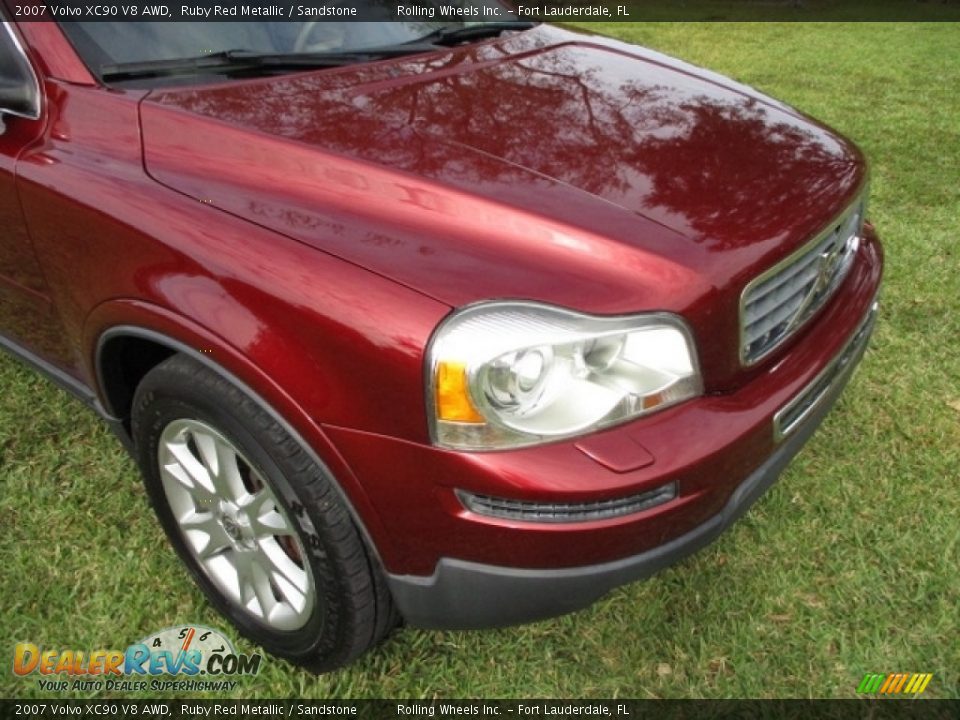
pixel 131 318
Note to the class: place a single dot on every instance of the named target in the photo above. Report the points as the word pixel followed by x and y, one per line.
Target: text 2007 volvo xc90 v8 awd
pixel 461 324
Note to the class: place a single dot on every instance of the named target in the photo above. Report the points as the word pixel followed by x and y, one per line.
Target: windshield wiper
pixel 240 60
pixel 466 33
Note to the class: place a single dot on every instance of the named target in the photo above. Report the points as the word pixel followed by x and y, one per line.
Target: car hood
pixel 548 165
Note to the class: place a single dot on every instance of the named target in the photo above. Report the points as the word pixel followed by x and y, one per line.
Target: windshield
pixel 103 44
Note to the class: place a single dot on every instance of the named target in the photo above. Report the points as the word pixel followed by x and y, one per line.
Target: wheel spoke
pixel 265 517
pixel 220 460
pixel 195 477
pixel 242 563
pixel 296 599
pixel 261 588
pixel 207 447
pixel 214 538
pixel 282 567
pixel 181 484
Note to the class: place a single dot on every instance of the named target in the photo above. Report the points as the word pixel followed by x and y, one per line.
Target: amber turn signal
pixel 453 398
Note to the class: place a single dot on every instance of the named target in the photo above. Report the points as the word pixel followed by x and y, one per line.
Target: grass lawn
pixel 849 565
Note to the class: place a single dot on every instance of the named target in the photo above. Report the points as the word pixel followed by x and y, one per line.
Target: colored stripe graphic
pixel 870 683
pixel 888 682
pixel 900 681
pixel 894 683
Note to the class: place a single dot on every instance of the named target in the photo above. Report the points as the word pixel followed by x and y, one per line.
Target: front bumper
pixel 463 594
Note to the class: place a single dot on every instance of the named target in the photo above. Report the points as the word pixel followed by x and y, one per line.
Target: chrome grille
pixel 566 512
pixel 779 302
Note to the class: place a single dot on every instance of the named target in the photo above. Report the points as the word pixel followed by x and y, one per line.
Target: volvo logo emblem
pixel 828 264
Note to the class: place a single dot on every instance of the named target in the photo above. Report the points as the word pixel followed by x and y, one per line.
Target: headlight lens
pixel 508 374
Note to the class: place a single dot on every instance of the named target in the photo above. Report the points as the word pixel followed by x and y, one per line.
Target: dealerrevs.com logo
pixel 184 658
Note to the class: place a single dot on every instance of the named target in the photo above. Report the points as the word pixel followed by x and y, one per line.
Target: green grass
pixel 848 565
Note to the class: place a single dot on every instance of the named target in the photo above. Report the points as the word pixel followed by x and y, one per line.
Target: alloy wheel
pixel 234 526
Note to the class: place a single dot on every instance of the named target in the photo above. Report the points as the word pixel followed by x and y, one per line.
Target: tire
pixel 265 533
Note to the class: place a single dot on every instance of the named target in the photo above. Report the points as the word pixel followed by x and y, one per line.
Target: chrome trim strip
pixel 815 391
pixel 33 75
pixel 860 197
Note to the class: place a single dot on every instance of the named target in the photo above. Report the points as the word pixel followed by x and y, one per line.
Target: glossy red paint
pixel 655 179
pixel 309 233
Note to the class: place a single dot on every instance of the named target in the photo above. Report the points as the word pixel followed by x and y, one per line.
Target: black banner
pixel 479 11
pixel 893 709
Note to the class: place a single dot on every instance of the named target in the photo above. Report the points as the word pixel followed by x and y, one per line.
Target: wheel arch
pixel 124 352
pixel 123 358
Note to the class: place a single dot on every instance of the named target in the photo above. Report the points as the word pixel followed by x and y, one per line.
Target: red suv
pixel 460 323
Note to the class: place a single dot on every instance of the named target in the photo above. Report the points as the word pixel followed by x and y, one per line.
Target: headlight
pixel 507 374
